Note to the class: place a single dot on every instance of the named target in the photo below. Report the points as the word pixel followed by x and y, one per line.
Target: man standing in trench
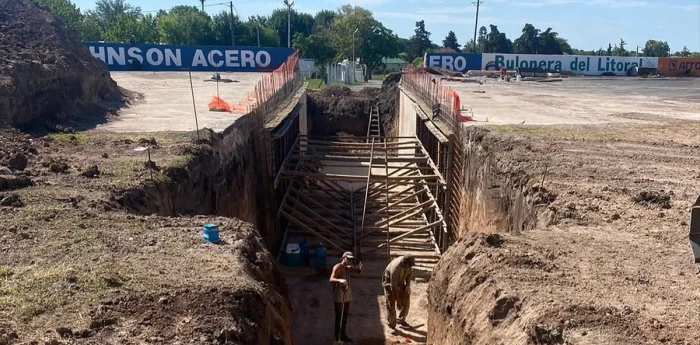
pixel 396 282
pixel 342 294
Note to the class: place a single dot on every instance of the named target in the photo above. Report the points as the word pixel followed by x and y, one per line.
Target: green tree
pixel 91 30
pixel 323 20
pixel 107 11
pixel 381 43
pixel 528 42
pixel 143 28
pixel 185 25
pixel 317 47
pixel 450 41
pixel 372 40
pixel 420 41
pixel 609 51
pixel 657 49
pixel 299 22
pixel 620 50
pixel 497 42
pixel 66 11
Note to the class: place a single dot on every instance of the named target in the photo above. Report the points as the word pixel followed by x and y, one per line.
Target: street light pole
pixel 476 22
pixel 233 36
pixel 289 5
pixel 353 54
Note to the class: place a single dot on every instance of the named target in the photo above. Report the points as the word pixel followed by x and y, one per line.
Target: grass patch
pixel 315 84
pixel 6 272
pixel 378 76
pixel 79 138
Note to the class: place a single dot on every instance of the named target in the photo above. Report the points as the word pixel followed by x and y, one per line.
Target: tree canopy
pixel 326 36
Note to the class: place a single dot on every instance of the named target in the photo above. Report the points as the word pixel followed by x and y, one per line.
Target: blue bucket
pixel 210 233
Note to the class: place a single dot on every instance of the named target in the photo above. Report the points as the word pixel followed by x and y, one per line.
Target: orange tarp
pixel 679 67
pixel 218 104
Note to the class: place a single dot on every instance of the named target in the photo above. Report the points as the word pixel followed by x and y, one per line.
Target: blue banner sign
pixel 157 57
pixel 453 61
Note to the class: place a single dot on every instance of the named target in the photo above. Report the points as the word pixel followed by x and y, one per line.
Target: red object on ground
pixel 408 340
pixel 218 104
pixel 503 71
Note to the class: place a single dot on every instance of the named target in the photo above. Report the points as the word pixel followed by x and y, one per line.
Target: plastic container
pixel 320 257
pixel 292 257
pixel 304 249
pixel 210 233
pixel 518 77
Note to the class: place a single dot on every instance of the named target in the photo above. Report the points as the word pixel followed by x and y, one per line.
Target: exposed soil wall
pixel 498 195
pixel 337 109
pixel 46 73
pixel 220 177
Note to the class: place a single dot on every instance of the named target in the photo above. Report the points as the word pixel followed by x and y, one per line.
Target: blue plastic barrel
pixel 320 257
pixel 210 233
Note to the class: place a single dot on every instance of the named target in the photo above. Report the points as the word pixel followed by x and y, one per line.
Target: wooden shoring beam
pixel 436 170
pixel 322 206
pixel 284 198
pixel 386 190
pixel 420 206
pixel 317 157
pixel 393 204
pixel 294 147
pixel 311 214
pixel 342 177
pixel 423 228
pixel 312 231
pixel 364 210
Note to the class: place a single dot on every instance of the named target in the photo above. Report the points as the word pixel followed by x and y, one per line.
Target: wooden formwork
pixel 360 195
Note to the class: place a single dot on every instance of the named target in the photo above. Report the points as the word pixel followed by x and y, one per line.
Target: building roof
pixel 393 61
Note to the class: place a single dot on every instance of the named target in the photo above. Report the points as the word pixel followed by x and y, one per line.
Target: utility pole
pixel 202 1
pixel 257 29
pixel 289 5
pixel 233 36
pixel 476 22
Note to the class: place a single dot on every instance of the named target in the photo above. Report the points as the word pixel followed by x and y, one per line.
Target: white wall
pixel 580 64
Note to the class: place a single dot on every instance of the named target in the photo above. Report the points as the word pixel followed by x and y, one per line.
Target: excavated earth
pixel 77 268
pixel 599 253
pixel 46 73
pixel 339 110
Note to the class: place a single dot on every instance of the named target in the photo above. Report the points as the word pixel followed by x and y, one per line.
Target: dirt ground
pixel 75 268
pixel 312 305
pixel 609 261
pixel 581 100
pixel 164 102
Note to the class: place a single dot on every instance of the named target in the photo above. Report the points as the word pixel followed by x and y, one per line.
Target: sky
pixel 587 24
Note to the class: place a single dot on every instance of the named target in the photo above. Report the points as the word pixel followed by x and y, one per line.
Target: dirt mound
pixel 661 199
pixel 45 70
pixel 337 109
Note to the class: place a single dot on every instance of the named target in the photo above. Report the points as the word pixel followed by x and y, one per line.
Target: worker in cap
pixel 396 282
pixel 342 294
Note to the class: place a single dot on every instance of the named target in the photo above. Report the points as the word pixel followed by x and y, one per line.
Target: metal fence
pixel 430 90
pixel 273 89
pixel 340 74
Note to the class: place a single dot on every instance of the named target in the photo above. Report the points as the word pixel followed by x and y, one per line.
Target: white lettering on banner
pixel 116 55
pixel 125 55
pixel 581 64
pixel 458 63
pixel 173 58
pixel 247 56
pixel 99 54
pixel 260 55
pixel 157 53
pixel 232 59
pixel 198 59
pixel 211 58
pixel 135 53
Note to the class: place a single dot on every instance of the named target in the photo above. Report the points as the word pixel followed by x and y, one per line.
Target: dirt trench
pixel 568 238
pixel 337 110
